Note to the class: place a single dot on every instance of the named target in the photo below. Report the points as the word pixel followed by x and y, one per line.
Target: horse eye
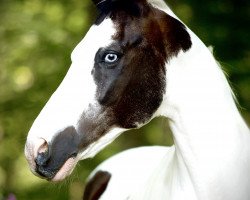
pixel 111 58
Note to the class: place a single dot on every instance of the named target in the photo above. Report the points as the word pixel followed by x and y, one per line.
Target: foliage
pixel 36 39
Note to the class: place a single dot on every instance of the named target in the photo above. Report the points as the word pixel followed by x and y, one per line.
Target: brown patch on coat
pixel 131 91
pixel 147 38
pixel 96 186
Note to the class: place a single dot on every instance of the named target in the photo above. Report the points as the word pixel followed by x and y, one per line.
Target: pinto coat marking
pixel 125 78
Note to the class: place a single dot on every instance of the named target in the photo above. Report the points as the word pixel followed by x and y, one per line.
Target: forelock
pixel 107 7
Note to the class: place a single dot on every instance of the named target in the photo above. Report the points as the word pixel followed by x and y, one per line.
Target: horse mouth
pixel 65 170
pixel 59 174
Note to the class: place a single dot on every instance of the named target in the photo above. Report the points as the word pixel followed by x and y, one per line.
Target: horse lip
pixel 73 155
pixel 50 174
pixel 65 170
pixel 46 174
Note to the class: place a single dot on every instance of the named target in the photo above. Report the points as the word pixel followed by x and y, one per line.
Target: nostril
pixel 44 147
pixel 42 159
pixel 43 155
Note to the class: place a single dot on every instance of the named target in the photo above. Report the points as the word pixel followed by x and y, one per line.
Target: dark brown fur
pixel 147 38
pixel 132 90
pixel 96 186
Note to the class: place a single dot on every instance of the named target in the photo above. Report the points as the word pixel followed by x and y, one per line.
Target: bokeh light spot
pixel 23 78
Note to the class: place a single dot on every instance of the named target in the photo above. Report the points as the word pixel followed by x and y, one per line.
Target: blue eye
pixel 111 58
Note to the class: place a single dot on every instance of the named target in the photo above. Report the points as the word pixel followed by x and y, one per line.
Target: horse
pixel 139 61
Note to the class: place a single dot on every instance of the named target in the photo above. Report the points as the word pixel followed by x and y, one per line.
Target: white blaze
pixel 77 90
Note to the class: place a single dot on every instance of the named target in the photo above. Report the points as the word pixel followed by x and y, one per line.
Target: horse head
pixel 116 82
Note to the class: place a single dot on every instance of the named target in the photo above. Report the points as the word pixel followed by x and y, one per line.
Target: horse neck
pixel 210 136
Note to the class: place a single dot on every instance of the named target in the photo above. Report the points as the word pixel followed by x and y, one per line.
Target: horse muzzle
pixel 53 160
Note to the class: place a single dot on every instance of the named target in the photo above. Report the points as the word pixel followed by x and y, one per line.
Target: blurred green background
pixel 36 39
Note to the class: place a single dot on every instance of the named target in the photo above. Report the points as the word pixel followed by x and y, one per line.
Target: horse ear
pixel 175 34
